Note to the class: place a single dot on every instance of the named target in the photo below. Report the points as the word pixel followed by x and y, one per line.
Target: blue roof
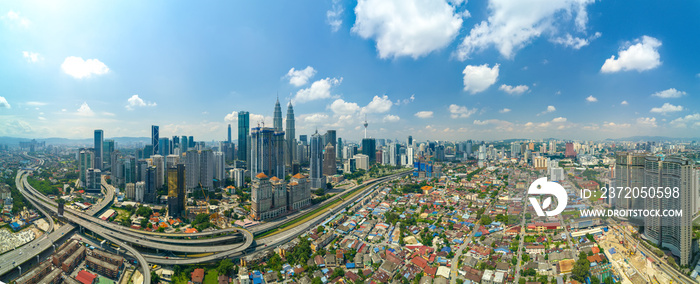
pixel 446 249
pixel 612 250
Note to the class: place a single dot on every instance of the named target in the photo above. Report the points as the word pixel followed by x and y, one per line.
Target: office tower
pixel 329 168
pixel 99 148
pixel 176 190
pixel 329 137
pixel 171 161
pixel 515 150
pixel 141 166
pixel 86 159
pixel 175 142
pixel 139 191
pixel 629 172
pixel 298 193
pixel 155 136
pixel 674 233
pixel 303 139
pixel 150 189
pixel 219 167
pixel 159 162
pixel 316 162
pixel 108 149
pixel 191 141
pixel 229 134
pixel 243 132
pixel 361 161
pixel 369 148
pixel 277 117
pixel 129 169
pixel 570 152
pixel 266 152
pixel 469 148
pixel 394 154
pixel 184 144
pixel 192 169
pixel 164 146
pixel 227 150
pixel 291 137
pixel 409 141
pixel 93 180
pixel 350 166
pixel 339 149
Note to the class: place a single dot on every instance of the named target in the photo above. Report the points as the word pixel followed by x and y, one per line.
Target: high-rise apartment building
pixel 266 152
pixel 86 160
pixel 570 152
pixel 200 169
pixel 629 172
pixel 99 148
pixel 158 161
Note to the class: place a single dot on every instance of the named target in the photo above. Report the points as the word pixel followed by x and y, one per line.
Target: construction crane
pixel 206 196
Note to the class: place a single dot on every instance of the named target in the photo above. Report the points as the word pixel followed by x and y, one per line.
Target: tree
pixel 316 280
pixel 144 211
pixel 580 270
pixel 225 267
pixel 155 278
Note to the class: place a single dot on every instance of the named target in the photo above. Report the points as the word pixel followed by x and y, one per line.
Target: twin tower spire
pixel 290 135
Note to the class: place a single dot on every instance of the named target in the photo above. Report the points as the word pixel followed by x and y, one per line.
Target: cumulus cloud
pixel 683 122
pixel 318 90
pixel 479 78
pixel 460 111
pixel 407 27
pixel 342 107
pixel 559 119
pixel 511 90
pixel 497 123
pixel 640 56
pixel 14 19
pixel 548 110
pixel 4 103
pixel 666 108
pixel 624 103
pixel 591 99
pixel 135 101
pixel 575 42
pixel 647 121
pixel 32 57
pixel 505 110
pixel 84 110
pixel 670 93
pixel 316 118
pixel 300 77
pixel 334 15
pixel 391 118
pixel 78 68
pixel 511 25
pixel 252 118
pixel 35 104
pixel 424 114
pixel 378 105
pixel 406 101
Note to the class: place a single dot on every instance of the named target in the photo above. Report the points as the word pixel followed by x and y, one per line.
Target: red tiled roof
pixel 85 277
pixel 198 275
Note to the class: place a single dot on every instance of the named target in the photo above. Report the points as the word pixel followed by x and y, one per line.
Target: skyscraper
pixel 329 137
pixel 277 117
pixel 339 149
pixel 243 132
pixel 155 136
pixel 570 152
pixel 629 172
pixel 316 162
pixel 409 141
pixel 329 168
pixel 99 146
pixel 266 152
pixel 176 190
pixel 108 149
pixel 674 233
pixel 291 141
pixel 150 191
pixel 158 161
pixel 164 146
pixel 86 160
pixel 369 148
pixel 229 133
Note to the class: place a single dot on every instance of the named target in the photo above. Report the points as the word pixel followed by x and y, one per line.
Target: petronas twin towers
pixel 272 152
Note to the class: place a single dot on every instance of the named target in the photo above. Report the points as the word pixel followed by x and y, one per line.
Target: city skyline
pixel 574 70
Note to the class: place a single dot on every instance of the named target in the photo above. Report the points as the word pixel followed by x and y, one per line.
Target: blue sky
pixel 434 69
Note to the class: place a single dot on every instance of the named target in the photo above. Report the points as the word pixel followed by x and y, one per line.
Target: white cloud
pixel 32 57
pixel 391 118
pixel 670 93
pixel 575 42
pixel 4 103
pixel 36 104
pixel 666 108
pixel 424 114
pixel 517 90
pixel 460 111
pixel 591 99
pixel 41 118
pixel 78 68
pixel 406 101
pixel 548 110
pixel 642 55
pixel 682 122
pixel 300 77
pixel 342 107
pixel 334 15
pixel 407 27
pixel 505 110
pixel 378 105
pixel 479 78
pixel 14 19
pixel 497 123
pixel 320 89
pixel 512 25
pixel 135 101
pixel 85 110
pixel 624 103
pixel 316 118
pixel 647 121
pixel 252 118
pixel 559 119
